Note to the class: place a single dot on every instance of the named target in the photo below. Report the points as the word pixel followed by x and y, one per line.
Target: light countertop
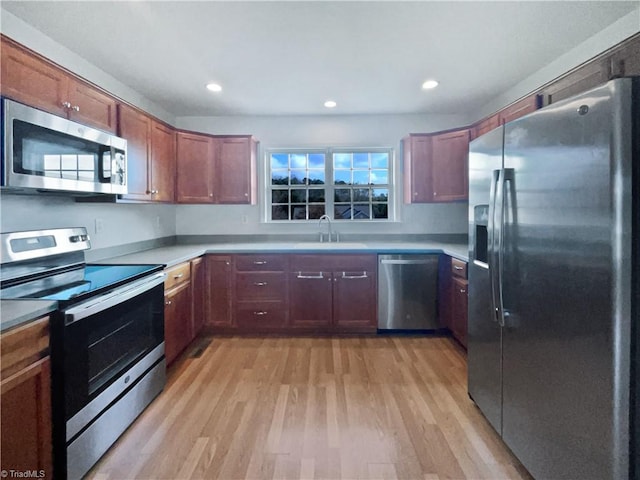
pixel 17 312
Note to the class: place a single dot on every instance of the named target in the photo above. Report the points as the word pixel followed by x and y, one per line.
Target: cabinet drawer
pixel 177 275
pixel 261 314
pixel 260 286
pixel 458 268
pixel 264 263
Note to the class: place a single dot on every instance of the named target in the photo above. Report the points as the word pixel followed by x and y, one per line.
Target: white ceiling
pixel 275 58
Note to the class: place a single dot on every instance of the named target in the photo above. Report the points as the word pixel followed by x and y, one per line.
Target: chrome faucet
pixel 328 219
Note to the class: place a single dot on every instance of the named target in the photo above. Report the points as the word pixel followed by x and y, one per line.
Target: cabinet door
pixel 26 419
pixel 28 79
pixel 233 170
pixel 135 127
pixel 177 321
pixel 485 126
pixel 198 289
pixel 90 106
pixel 459 304
pixel 417 169
pixel 194 168
pixel 219 285
pixel 354 299
pixel 163 162
pixel 450 155
pixel 310 298
pixel 581 79
pixel 520 108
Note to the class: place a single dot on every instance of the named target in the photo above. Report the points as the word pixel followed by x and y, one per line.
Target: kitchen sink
pixel 330 245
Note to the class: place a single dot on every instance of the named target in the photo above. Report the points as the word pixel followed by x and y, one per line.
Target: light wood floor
pixel 314 408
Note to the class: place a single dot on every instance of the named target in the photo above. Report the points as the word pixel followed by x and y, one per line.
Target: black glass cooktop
pixel 78 283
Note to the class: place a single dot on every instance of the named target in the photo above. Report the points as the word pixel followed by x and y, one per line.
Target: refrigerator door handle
pixel 493 229
pixel 506 177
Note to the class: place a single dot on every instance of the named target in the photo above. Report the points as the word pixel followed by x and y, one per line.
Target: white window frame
pixel 329 186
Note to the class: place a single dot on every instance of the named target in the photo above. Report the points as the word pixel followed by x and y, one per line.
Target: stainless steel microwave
pixel 45 152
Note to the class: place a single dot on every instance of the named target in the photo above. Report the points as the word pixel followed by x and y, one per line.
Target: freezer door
pixel 565 237
pixel 484 349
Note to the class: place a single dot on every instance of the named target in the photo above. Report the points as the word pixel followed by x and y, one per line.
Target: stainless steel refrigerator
pixel 554 213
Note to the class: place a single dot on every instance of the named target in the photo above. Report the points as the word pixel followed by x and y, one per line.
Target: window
pixel 346 184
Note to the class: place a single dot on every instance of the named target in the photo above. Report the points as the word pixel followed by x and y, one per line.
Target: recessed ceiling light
pixel 214 87
pixel 430 84
pixel 330 104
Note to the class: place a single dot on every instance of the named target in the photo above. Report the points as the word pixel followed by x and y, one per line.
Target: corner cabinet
pixel 435 167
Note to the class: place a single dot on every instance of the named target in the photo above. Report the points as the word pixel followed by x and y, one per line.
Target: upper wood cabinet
pixel 625 58
pixel 150 156
pixel 216 169
pixel 235 170
pixel 162 162
pixel 435 167
pixel 135 127
pixel 485 126
pixel 583 78
pixel 194 165
pixel 30 79
pixel 519 109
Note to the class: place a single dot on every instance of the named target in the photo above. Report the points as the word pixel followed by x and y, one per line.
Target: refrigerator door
pixel 484 349
pixel 565 238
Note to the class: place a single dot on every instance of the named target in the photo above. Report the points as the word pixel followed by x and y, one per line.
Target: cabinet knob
pixel 435 193
pixel 227 263
pixel 154 192
pixel 66 104
pixel 462 290
pixel 211 194
pixel 246 194
pixel 168 302
pixel 76 108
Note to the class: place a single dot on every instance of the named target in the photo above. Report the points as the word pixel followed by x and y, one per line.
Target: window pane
pixel 85 162
pixel 280 196
pixel 360 177
pixel 342 212
pixel 280 212
pixel 342 177
pixel 52 162
pixel 279 160
pixel 379 160
pixel 298 212
pixel 380 177
pixel 316 195
pixel 298 195
pixel 316 177
pixel 361 195
pixel 380 210
pixel 342 195
pixel 342 160
pixel 69 162
pixel 380 195
pixel 316 160
pixel 360 160
pixel 279 177
pixel 315 211
pixel 298 177
pixel 298 160
pixel 361 211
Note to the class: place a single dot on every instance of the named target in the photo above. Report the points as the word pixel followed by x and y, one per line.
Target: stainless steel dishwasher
pixel 407 292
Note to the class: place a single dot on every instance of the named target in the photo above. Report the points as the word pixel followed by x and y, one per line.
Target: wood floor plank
pixel 375 407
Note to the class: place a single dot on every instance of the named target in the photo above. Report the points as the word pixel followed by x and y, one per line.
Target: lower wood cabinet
pixel 177 320
pixel 324 293
pixel 25 397
pixel 199 294
pixel 219 289
pixel 453 297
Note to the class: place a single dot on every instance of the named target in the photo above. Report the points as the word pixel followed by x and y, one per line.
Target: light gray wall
pixel 603 40
pixel 321 131
pixel 122 223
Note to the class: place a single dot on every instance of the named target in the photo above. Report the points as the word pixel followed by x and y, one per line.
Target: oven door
pixel 107 344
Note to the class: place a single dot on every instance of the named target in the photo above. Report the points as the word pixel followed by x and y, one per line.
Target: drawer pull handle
pixel 462 290
pixel 180 275
pixel 260 284
pixel 458 268
pixel 319 276
pixel 260 313
pixel 351 277
pixel 260 262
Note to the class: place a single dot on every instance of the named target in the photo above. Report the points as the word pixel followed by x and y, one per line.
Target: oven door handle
pixel 115 297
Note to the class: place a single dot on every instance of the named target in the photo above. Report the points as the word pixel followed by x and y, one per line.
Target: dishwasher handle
pixel 405 262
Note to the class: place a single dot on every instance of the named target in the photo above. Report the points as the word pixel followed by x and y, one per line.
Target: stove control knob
pixel 78 238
